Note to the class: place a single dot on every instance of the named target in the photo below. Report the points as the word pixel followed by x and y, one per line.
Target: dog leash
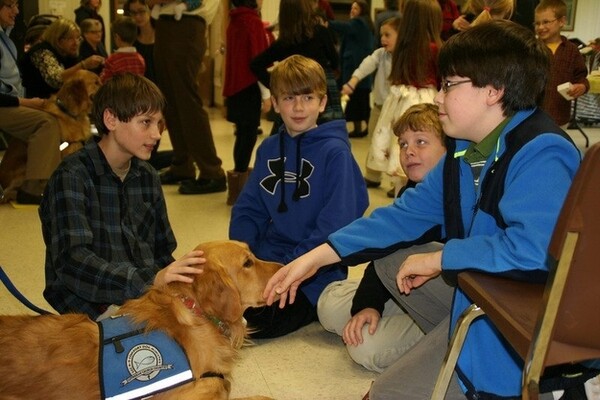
pixel 15 292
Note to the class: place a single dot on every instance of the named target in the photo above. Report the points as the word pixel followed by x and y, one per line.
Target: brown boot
pixel 235 183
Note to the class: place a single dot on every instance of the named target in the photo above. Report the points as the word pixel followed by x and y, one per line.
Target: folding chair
pixel 549 324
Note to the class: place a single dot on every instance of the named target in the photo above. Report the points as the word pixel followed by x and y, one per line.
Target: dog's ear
pixel 216 293
pixel 74 94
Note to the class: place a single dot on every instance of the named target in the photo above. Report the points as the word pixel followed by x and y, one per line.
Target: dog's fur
pixel 76 96
pixel 56 356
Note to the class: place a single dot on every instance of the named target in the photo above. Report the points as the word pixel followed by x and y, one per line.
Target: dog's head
pixel 77 92
pixel 232 269
pixel 232 280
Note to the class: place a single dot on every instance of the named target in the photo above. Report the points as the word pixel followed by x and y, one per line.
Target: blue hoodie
pixel 324 190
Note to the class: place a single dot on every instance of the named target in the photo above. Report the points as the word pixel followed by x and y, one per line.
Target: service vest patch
pixel 134 364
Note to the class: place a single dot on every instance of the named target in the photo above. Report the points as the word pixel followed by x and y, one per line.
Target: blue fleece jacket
pixel 536 184
pixel 324 190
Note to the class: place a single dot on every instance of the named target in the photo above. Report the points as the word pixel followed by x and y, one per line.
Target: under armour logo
pixel 276 167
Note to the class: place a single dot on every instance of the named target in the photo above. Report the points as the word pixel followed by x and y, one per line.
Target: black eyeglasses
pixel 446 85
pixel 544 23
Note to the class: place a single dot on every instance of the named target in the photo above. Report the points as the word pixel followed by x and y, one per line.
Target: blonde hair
pixel 298 75
pixel 60 29
pixel 557 6
pixel 486 10
pixel 420 117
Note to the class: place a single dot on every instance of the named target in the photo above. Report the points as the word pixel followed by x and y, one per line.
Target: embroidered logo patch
pixel 144 363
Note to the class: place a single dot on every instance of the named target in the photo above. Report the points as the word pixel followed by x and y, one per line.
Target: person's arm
pixel 284 284
pixel 371 292
pixel 249 217
pixel 580 84
pixel 107 71
pixel 261 63
pixel 341 27
pixel 368 65
pixel 7 100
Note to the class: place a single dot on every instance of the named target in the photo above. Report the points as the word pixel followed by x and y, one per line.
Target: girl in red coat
pixel 246 38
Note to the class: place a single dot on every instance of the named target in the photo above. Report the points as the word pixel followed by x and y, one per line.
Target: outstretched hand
pixel 286 280
pixel 181 270
pixel 418 269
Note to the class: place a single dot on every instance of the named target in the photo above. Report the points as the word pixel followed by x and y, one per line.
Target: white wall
pixel 66 8
pixel 587 21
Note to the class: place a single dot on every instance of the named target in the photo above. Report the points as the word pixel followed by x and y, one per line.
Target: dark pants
pixel 272 321
pixel 179 49
pixel 243 109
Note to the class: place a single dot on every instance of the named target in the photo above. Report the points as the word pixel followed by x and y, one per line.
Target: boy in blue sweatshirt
pixel 495 199
pixel 305 185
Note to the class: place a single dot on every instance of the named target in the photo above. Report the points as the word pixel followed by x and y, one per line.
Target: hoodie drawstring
pixel 296 196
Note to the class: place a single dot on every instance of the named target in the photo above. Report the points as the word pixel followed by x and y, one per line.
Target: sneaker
pixel 203 186
pixel 28 198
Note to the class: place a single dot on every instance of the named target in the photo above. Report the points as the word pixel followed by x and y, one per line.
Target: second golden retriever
pixel 56 356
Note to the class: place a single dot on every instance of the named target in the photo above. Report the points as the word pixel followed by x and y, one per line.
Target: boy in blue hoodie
pixel 495 199
pixel 305 185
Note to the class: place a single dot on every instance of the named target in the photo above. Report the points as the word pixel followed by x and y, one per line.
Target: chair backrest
pixel 573 289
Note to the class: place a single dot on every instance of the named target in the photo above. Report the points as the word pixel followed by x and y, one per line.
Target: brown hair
pixel 126 95
pixel 298 75
pixel 421 25
pixel 420 117
pixel 125 28
pixel 296 21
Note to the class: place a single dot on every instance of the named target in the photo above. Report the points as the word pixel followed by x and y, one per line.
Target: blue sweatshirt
pixel 324 190
pixel 536 184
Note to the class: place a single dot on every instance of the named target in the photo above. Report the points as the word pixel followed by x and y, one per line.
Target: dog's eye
pixel 248 263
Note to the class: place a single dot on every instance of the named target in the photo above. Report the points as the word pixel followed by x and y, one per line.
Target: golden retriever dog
pixel 71 106
pixel 56 356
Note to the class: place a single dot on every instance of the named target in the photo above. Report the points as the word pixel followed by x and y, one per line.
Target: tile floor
pixel 308 364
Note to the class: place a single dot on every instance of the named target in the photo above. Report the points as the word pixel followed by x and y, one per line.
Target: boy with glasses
pixel 567 65
pixel 495 199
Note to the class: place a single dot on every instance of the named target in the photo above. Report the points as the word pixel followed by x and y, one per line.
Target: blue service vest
pixel 134 364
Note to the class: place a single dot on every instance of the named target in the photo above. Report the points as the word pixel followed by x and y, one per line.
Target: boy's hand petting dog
pixel 181 270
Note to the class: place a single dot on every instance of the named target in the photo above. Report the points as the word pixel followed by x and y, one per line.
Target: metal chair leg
pixel 458 338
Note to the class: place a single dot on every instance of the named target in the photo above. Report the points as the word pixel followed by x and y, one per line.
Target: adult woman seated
pixel 89 9
pixel 91 31
pixel 48 63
